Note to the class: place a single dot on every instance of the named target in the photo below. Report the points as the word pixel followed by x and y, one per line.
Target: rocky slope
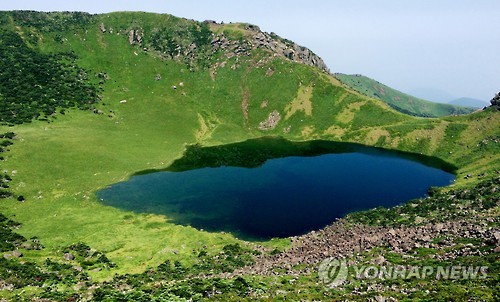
pixel 495 101
pixel 234 39
pixel 258 39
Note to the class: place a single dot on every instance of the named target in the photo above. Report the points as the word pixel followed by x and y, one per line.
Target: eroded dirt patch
pixel 301 103
pixel 347 115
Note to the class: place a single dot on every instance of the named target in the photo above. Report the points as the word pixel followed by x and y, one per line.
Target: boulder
pixel 13 254
pixel 131 36
pixel 17 254
pixel 69 256
pixel 496 235
pixel 138 37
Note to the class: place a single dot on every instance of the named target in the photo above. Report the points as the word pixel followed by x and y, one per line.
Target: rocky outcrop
pixel 257 39
pixel 271 122
pixel 135 37
pixel 495 102
pixel 13 254
pixel 238 40
pixel 288 49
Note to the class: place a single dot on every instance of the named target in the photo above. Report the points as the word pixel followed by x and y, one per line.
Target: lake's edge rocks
pixel 343 240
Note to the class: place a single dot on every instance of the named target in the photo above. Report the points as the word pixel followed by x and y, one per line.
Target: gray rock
pixel 138 37
pixel 4 286
pixel 17 254
pixel 495 101
pixel 380 298
pixel 496 235
pixel 69 256
pixel 131 37
pixel 13 254
pixel 271 122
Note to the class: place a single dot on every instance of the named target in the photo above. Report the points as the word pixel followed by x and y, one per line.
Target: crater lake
pixel 271 187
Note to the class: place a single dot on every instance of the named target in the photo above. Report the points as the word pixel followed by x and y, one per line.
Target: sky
pixel 438 49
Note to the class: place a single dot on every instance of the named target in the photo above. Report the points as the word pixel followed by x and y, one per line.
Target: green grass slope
pixel 398 100
pixel 152 103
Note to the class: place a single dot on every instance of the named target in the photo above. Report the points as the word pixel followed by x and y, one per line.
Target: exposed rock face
pixel 131 36
pixel 135 37
pixel 495 102
pixel 180 45
pixel 271 122
pixel 272 42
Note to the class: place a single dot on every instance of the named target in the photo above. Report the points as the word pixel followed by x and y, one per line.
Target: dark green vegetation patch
pixel 47 22
pixel 9 239
pixel 35 85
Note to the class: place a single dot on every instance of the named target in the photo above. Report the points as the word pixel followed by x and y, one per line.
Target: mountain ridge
pixel 400 101
pixel 469 102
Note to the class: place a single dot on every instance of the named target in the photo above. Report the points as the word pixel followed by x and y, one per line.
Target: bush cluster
pixel 48 22
pixel 34 85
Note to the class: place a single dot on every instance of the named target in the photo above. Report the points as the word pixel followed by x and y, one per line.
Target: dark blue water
pixel 282 197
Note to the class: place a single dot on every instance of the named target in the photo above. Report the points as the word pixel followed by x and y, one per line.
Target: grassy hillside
pixel 153 101
pixel 400 101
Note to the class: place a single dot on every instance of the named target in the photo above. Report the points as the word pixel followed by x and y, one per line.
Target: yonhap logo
pixel 332 272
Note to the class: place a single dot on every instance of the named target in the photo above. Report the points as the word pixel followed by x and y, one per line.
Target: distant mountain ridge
pixel 469 102
pixel 432 94
pixel 398 100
